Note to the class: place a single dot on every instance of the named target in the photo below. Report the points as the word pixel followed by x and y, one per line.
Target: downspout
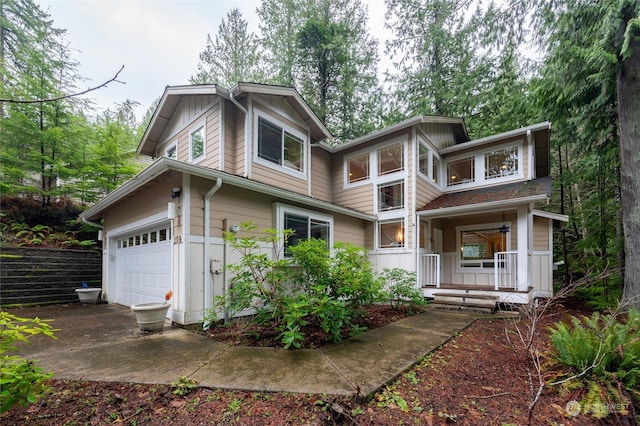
pixel 88 222
pixel 247 150
pixel 208 286
pixel 532 154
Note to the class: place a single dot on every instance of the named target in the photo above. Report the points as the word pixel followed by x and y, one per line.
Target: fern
pixel 601 354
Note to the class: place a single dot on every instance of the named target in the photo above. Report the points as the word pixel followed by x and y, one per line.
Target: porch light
pixel 504 229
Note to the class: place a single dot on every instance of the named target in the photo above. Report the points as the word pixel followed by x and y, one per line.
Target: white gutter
pixel 88 222
pixel 208 285
pixel 247 147
pixel 471 208
pixel 493 138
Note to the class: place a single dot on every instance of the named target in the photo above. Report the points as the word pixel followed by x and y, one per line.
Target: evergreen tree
pixel 232 57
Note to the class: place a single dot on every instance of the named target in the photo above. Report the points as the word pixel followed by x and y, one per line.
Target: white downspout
pixel 208 286
pixel 247 146
pixel 532 154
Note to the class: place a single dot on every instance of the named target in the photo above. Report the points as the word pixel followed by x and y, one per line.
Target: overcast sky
pixel 157 41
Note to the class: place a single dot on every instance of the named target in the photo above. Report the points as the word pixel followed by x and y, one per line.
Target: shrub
pixel 314 286
pixel 601 354
pixel 21 381
pixel 401 290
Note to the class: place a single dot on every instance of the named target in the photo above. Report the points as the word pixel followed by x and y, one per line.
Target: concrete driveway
pixel 103 343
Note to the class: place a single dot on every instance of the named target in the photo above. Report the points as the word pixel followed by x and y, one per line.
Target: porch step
pixel 468 302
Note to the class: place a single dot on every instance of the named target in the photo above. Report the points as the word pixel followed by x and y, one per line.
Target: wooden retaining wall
pixel 37 276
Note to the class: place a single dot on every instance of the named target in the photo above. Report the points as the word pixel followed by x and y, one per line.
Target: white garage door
pixel 143 266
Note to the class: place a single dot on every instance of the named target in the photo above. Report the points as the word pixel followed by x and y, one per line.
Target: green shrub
pixel 601 353
pixel 314 286
pixel 21 381
pixel 401 290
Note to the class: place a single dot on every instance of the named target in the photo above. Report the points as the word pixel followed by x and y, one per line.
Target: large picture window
pixel 279 146
pixel 478 246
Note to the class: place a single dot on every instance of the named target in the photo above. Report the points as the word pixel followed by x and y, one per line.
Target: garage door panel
pixel 143 267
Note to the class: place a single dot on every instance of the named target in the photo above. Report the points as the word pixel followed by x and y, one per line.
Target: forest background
pixel 450 57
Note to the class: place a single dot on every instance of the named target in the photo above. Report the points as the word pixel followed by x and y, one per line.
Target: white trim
pixel 403 248
pixel 480 207
pixel 345 161
pixel 549 215
pixel 493 138
pixel 139 225
pixel 201 126
pixel 221 140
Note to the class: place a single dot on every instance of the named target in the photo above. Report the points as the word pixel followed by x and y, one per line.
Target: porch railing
pixel 506 269
pixel 431 270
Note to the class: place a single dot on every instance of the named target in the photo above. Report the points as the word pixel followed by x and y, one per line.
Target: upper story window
pixel 390 159
pixel 500 163
pixel 358 168
pixel 428 163
pixel 279 146
pixel 197 144
pixel 461 171
pixel 171 152
pixel 391 196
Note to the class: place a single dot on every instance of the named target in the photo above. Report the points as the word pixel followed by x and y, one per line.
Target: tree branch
pixel 90 89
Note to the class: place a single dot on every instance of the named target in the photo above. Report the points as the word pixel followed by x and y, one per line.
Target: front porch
pixel 500 282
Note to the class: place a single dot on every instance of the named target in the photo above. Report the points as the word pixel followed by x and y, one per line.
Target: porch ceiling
pixel 492 194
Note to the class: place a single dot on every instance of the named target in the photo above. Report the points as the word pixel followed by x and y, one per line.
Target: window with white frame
pixel 197 144
pixel 171 151
pixel 280 146
pixel 391 196
pixel 461 171
pixel 305 224
pixel 478 244
pixel 428 163
pixel 500 163
pixel 391 233
pixel 358 168
pixel 390 159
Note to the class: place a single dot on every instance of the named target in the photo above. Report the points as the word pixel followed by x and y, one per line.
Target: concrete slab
pixel 103 343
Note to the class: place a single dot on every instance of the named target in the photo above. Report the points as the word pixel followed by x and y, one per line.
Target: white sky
pixel 157 41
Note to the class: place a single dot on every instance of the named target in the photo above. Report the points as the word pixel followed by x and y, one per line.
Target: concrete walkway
pixel 103 343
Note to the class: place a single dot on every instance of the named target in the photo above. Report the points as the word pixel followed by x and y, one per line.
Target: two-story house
pixel 418 195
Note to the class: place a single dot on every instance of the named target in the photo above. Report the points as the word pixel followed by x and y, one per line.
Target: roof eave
pixel 165 164
pixel 493 138
pixel 482 207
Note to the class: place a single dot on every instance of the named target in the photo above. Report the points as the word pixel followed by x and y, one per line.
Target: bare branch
pixel 90 89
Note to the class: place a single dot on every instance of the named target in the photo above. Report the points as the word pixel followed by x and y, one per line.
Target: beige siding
pixel 141 205
pixel 541 233
pixel 321 174
pixel 349 230
pixel 279 179
pixel 425 193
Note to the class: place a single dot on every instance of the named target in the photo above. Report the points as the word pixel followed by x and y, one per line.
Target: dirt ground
pixel 477 378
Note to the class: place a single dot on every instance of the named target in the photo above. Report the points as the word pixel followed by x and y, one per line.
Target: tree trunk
pixel 628 110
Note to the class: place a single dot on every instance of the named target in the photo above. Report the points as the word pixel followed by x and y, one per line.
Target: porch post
pixel 523 248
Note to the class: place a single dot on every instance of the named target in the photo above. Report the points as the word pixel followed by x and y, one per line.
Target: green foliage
pixel 600 352
pixel 184 386
pixel 21 381
pixel 401 289
pixel 314 286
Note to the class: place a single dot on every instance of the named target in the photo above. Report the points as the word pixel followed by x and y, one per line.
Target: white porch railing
pixel 431 269
pixel 506 269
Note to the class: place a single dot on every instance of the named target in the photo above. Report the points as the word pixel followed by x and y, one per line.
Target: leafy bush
pixel 21 381
pixel 401 289
pixel 601 354
pixel 313 287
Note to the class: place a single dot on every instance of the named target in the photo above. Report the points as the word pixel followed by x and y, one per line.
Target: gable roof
pixel 518 192
pixel 172 96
